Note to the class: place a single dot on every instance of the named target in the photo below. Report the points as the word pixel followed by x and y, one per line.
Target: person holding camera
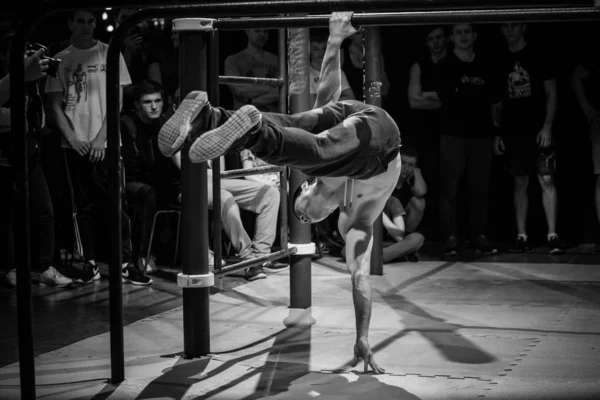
pixel 37 65
pixel 77 103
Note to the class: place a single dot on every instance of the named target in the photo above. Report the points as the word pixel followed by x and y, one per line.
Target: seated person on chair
pixel 151 180
pixel 349 149
pixel 411 189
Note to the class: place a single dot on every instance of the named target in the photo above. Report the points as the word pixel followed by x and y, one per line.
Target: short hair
pixel 428 29
pixel 73 12
pixel 409 152
pixel 145 87
pixel 319 35
pixel 303 187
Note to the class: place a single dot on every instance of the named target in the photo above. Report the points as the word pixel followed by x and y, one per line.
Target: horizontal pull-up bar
pixel 419 18
pixel 253 262
pixel 244 80
pixel 240 173
pixel 273 7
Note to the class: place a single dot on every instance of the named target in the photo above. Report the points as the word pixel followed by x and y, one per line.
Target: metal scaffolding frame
pixel 271 14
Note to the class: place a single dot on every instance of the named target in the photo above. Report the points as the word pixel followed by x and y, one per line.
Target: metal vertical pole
pixel 20 161
pixel 372 94
pixel 192 76
pixel 283 108
pixel 213 95
pixel 300 272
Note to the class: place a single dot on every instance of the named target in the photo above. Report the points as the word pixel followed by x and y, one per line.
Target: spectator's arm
pixel 418 99
pixel 396 228
pixel 54 107
pixel 551 101
pixel 419 187
pixel 154 72
pixel 579 74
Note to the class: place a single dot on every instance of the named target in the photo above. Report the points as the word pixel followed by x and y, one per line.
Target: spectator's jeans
pixel 258 198
pixel 143 197
pixel 345 139
pixel 456 155
pixel 89 186
pixel 41 218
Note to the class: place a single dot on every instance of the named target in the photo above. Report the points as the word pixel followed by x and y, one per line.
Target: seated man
pixel 353 147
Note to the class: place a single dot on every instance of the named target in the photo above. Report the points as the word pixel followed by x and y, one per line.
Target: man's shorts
pixel 525 158
pixel 595 138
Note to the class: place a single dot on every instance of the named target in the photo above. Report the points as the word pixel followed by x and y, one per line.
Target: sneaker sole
pixel 126 280
pixel 256 277
pixel 216 142
pixel 277 269
pixel 557 251
pixel 173 133
pixel 487 253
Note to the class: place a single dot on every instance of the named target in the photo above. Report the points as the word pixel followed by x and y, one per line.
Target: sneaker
pixel 211 260
pixel 89 273
pixel 173 133
pixel 230 134
pixel 11 277
pixel 255 273
pixel 451 245
pixel 51 277
pixel 413 257
pixel 482 245
pixel 275 266
pixel 556 246
pixel 521 245
pixel 150 267
pixel 134 275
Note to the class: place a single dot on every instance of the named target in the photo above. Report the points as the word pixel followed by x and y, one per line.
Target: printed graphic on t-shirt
pixel 472 80
pixel 519 82
pixel 77 82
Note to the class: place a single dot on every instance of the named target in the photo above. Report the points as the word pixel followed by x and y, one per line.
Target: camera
pixel 52 62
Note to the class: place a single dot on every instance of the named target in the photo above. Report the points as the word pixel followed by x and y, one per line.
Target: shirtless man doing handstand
pixel 349 149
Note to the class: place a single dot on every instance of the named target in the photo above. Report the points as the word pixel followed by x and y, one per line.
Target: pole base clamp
pixel 303 249
pixel 195 281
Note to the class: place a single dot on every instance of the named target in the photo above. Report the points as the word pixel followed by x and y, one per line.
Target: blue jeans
pixel 346 139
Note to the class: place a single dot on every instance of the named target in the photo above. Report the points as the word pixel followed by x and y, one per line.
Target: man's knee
pixel 417 238
pixel 521 183
pixel 546 182
pixel 270 197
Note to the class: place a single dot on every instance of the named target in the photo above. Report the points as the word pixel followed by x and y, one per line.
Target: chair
pixel 172 209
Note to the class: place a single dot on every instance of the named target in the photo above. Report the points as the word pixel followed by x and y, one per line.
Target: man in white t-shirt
pixel 318 45
pixel 77 101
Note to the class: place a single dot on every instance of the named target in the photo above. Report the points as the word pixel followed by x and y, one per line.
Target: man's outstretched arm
pixel 330 78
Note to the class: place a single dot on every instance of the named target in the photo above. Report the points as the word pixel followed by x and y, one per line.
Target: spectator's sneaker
pixel 218 141
pixel 521 245
pixel 482 245
pixel 174 132
pixel 413 257
pixel 149 268
pixel 596 248
pixel 451 245
pixel 555 245
pixel 276 266
pixel 11 277
pixel 133 275
pixel 51 277
pixel 255 273
pixel 89 273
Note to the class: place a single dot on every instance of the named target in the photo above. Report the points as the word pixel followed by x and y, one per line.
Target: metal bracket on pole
pixel 303 249
pixel 194 24
pixel 195 281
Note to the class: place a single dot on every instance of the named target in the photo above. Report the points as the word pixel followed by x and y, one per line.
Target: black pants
pixel 474 155
pixel 143 197
pixel 89 186
pixel 41 218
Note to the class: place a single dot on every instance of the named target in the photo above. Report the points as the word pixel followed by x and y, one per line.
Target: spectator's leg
pixel 143 196
pixel 479 169
pixel 549 200
pixel 263 200
pixel 521 202
pixel 410 244
pixel 7 208
pixel 452 164
pixel 42 216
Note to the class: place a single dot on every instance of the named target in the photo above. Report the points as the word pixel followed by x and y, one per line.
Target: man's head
pixel 82 24
pixel 409 157
pixel 463 36
pixel 436 40
pixel 148 100
pixel 257 37
pixel 313 201
pixel 318 45
pixel 513 32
